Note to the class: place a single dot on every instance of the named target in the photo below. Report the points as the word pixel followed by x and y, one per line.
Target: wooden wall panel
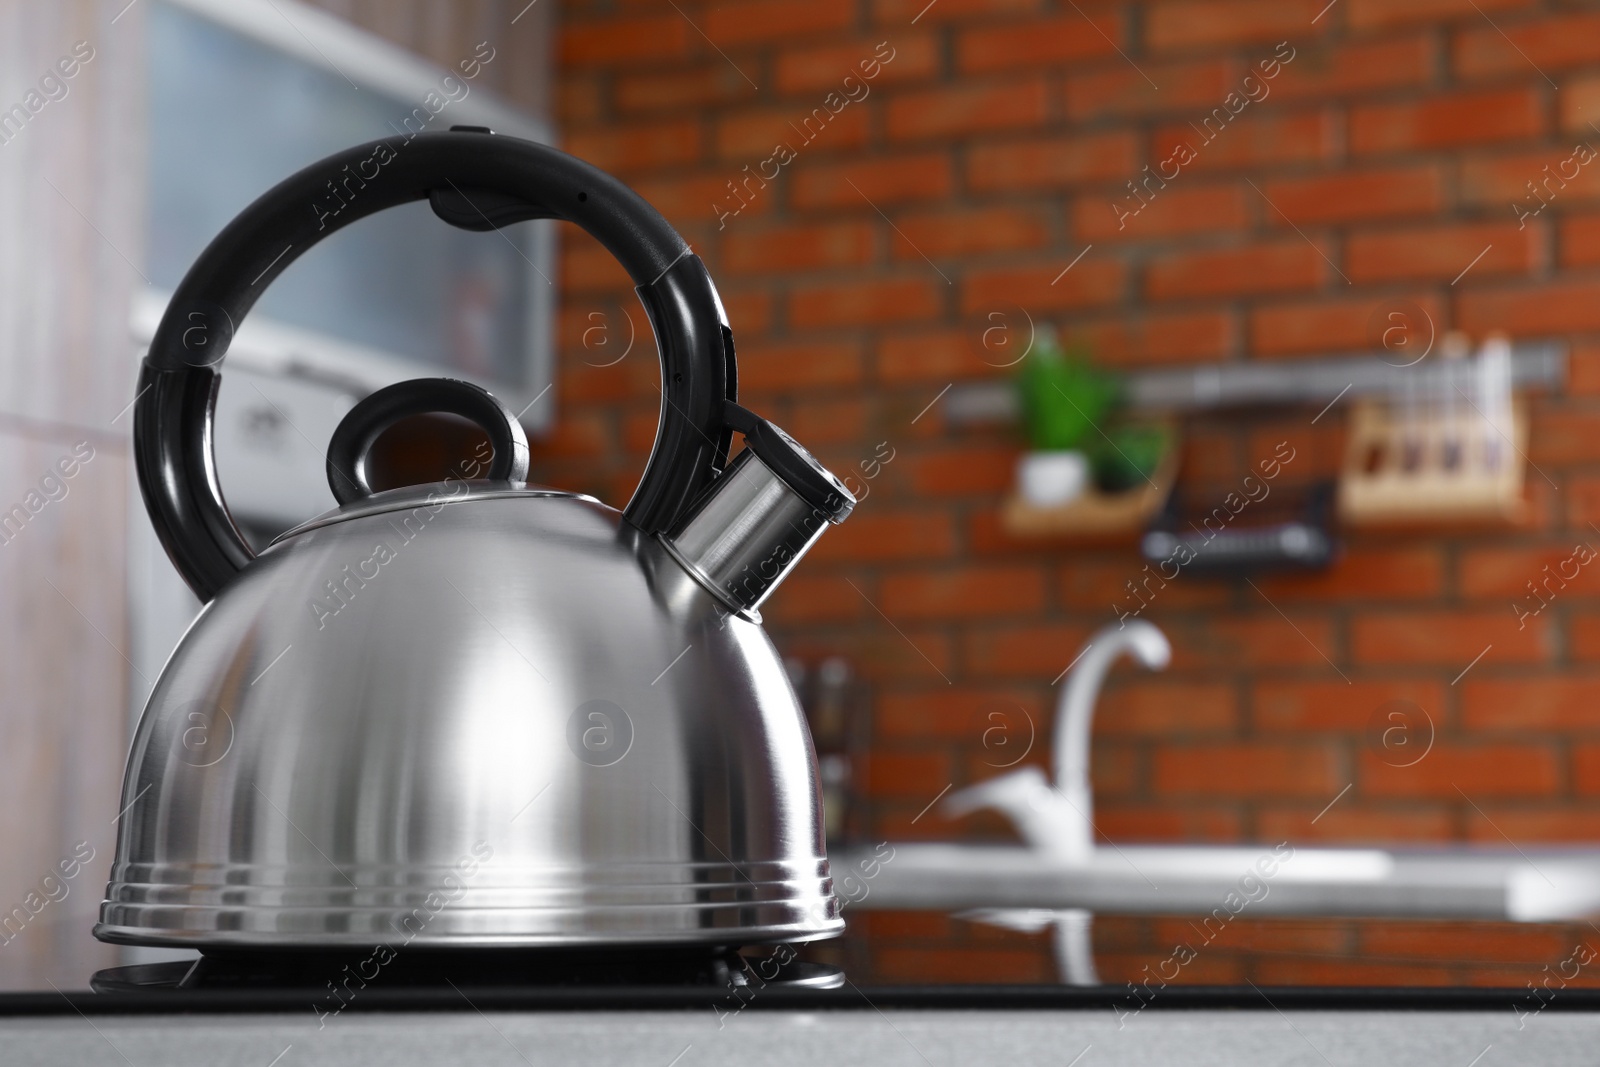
pixel 63 699
pixel 71 182
pixel 70 186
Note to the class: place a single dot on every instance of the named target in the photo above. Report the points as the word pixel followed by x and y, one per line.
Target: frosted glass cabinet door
pixel 231 115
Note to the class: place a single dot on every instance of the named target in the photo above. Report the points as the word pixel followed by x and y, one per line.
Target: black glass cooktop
pixel 1014 959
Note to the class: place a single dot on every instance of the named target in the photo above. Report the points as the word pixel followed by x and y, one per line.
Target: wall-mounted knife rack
pixel 1314 382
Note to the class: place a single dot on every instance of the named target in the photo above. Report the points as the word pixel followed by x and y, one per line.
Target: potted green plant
pixel 1070 417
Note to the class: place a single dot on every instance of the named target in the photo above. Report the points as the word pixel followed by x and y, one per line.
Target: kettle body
pixel 532 772
pixel 475 713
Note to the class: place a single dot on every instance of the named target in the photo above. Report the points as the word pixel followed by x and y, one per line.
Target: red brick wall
pixel 1387 156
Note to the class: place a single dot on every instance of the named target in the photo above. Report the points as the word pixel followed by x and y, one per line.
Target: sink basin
pixel 1449 883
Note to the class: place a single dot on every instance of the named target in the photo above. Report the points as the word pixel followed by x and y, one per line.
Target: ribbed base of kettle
pixel 246 907
pixel 302 930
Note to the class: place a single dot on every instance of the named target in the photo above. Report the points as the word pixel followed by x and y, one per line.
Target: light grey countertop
pixel 891 1038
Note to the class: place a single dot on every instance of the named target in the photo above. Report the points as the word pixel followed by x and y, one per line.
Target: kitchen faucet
pixel 1059 819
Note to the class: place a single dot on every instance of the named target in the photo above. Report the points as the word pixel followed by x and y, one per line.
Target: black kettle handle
pixel 475 180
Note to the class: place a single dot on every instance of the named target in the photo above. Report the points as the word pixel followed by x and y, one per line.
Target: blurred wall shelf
pixel 1097 515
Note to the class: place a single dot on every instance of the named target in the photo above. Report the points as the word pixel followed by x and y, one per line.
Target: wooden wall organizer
pixel 1431 469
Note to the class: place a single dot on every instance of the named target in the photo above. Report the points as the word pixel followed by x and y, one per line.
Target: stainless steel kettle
pixel 476 713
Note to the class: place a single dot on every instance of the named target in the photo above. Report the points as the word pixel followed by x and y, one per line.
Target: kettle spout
pixel 747 531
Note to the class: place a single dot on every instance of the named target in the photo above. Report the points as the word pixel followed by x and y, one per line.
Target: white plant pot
pixel 1052 479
